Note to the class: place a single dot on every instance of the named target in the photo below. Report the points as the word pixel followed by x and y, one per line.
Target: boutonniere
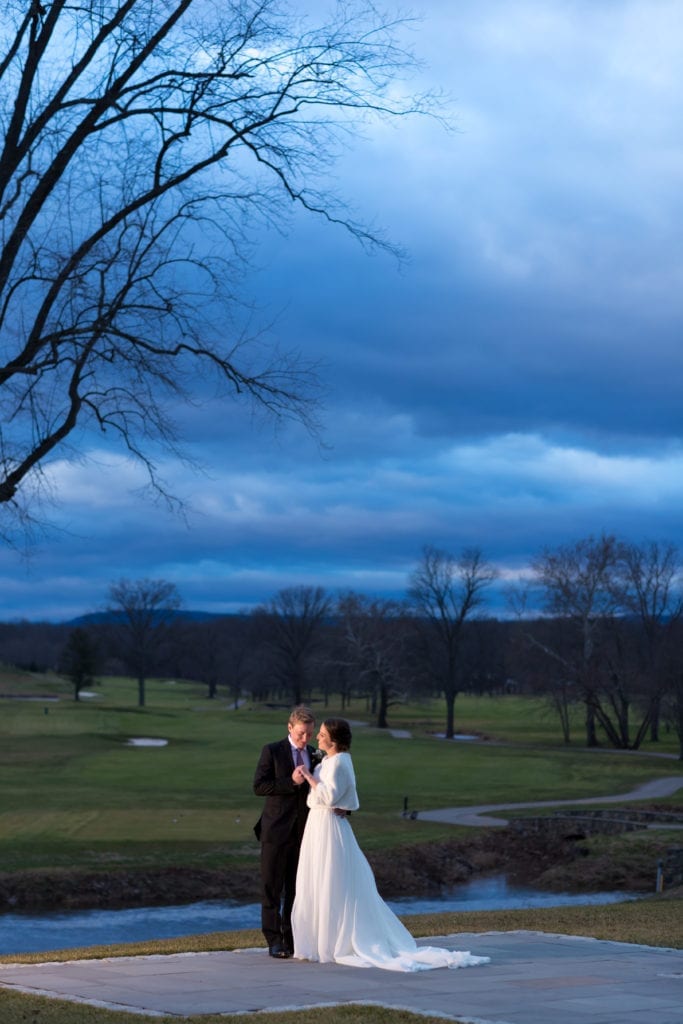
pixel 316 758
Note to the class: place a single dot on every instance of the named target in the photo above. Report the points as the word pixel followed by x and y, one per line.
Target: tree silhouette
pixel 141 143
pixel 445 592
pixel 79 659
pixel 294 617
pixel 142 609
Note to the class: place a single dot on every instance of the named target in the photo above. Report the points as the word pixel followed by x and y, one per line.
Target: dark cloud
pixel 513 383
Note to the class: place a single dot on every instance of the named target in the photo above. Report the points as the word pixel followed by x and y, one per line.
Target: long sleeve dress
pixel 338 914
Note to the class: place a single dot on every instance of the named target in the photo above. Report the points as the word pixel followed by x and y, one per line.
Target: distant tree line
pixel 605 636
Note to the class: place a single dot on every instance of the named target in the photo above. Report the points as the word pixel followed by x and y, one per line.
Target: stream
pixel 29 932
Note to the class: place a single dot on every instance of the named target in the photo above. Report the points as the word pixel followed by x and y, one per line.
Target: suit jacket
pixel 285 811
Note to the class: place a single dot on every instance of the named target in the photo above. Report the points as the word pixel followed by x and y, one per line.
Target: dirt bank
pixel 563 860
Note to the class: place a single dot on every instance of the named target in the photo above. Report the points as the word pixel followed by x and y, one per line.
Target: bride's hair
pixel 339 732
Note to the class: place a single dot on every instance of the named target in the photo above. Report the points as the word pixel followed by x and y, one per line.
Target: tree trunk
pixel 382 708
pixel 450 716
pixel 561 704
pixel 654 720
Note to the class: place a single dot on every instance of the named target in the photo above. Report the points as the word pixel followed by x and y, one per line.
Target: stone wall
pixel 570 826
pixel 672 868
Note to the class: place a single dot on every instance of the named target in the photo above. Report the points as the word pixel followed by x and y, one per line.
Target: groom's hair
pixel 339 732
pixel 302 714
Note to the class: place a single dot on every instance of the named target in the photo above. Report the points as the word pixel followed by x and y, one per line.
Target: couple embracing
pixel 319 898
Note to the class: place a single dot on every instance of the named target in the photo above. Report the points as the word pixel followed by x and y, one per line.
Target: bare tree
pixel 141 143
pixel 217 651
pixel 578 583
pixel 672 705
pixel 651 579
pixel 609 638
pixel 446 592
pixel 79 659
pixel 293 620
pixel 238 658
pixel 373 638
pixel 536 649
pixel 142 609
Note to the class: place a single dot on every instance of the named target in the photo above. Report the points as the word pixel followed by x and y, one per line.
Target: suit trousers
pixel 279 862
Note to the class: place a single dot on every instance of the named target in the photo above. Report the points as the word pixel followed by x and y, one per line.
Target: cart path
pixel 481 815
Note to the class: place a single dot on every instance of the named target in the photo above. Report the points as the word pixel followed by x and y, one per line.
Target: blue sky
pixel 515 383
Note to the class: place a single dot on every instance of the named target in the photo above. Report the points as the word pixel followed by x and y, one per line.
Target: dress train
pixel 338 915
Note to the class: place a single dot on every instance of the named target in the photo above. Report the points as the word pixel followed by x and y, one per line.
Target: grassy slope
pixel 73 793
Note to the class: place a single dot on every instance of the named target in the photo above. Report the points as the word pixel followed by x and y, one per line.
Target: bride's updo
pixel 339 731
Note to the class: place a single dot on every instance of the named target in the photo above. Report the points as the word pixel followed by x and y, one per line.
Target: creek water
pixel 29 933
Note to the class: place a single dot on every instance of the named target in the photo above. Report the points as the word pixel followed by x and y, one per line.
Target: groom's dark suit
pixel 280 830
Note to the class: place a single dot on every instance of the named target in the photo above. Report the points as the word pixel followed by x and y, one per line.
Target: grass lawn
pixel 16 1008
pixel 75 794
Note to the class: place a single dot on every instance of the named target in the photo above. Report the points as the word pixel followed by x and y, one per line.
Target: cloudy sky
pixel 515 383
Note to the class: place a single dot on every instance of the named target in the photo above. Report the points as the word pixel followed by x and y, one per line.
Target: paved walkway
pixel 481 815
pixel 532 979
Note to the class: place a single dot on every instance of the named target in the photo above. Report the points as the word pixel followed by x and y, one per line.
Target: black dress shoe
pixel 279 951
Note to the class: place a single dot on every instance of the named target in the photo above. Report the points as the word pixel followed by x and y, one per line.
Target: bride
pixel 338 914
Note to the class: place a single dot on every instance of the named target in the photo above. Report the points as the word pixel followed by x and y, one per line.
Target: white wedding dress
pixel 338 914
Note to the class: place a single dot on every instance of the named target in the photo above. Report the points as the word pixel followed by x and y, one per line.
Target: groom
pixel 281 825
